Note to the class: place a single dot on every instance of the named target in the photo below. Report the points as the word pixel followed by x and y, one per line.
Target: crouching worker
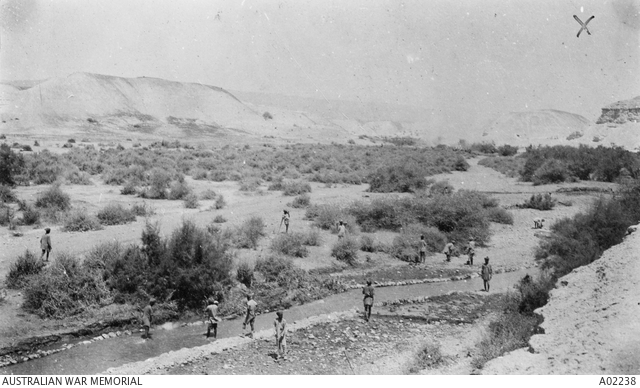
pixel 280 325
pixel 537 223
pixel 212 318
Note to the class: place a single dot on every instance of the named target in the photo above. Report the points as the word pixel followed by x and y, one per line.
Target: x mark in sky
pixel 584 25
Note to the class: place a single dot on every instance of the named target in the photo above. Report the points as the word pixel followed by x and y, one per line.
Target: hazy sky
pixel 464 60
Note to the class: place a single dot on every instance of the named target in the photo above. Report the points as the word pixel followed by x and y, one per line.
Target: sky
pixel 465 61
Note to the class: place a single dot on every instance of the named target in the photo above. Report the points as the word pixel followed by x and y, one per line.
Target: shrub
pixel 80 221
pixel 485 148
pixel 159 181
pixel 301 201
pixel 208 194
pixel 403 178
pixel 346 250
pixel 429 356
pixel 142 209
pixel 30 216
pixel 325 216
pixel 65 288
pixel 219 219
pixel 407 245
pixel 248 234
pixel 6 215
pixel 296 188
pixel 575 135
pixel 539 202
pixel 249 184
pixel 367 244
pixel 290 244
pixel 499 215
pixel 267 116
pixel 551 171
pixel 244 274
pixel 130 188
pixel 11 165
pixel 510 332
pixel 507 150
pixel 71 141
pixel 54 198
pixel 312 238
pixel 191 201
pixel 380 213
pixel 77 177
pixel 179 190
pixel 220 202
pixel 460 164
pixel 115 214
pixel 441 188
pixel 20 270
pixel 6 194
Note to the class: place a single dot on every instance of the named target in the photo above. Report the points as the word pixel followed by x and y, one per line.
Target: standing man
pixel 45 243
pixel 471 250
pixel 147 317
pixel 448 249
pixel 280 324
pixel 342 229
pixel 212 317
pixel 251 315
pixel 423 250
pixel 285 219
pixel 486 272
pixel 368 293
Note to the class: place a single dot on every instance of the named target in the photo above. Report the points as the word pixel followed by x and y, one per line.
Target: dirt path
pixel 590 322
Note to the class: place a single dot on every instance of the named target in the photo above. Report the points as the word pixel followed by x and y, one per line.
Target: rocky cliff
pixel 621 112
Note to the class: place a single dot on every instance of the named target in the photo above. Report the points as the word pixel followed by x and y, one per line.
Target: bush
pixel 407 245
pixel 191 201
pixel 539 202
pixel 208 194
pixel 267 116
pixel 179 190
pixel 53 198
pixel 485 148
pixel 507 150
pixel 290 244
pixel 130 188
pixel 551 171
pixel 115 214
pixel 380 213
pixel 296 188
pixel 499 215
pixel 80 221
pixel 220 202
pixel 367 244
pixel 77 177
pixel 6 194
pixel 312 238
pixel 249 184
pixel 64 289
pixel 429 356
pixel 30 216
pixel 244 274
pixel 346 250
pixel 142 209
pixel 404 178
pixel 22 269
pixel 441 188
pixel 11 165
pixel 301 201
pixel 219 219
pixel 248 234
pixel 461 164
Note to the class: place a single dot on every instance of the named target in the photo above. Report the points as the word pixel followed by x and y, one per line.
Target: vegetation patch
pixel 115 214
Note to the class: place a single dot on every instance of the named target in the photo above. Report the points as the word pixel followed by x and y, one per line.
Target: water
pixel 101 355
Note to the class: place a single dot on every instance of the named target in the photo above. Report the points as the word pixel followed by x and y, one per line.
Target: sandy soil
pixel 590 322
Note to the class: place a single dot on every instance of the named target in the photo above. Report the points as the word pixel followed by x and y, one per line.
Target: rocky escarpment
pixel 590 322
pixel 621 112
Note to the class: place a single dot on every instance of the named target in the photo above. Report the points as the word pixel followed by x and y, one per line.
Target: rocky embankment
pixel 591 321
pixel 621 112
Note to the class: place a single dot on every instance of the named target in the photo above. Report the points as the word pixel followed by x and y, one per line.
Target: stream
pixel 102 355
